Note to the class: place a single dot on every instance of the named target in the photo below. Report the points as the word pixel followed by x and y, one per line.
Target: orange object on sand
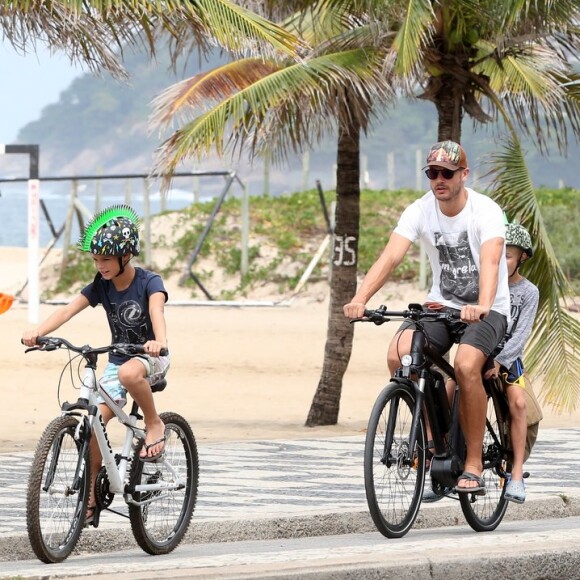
pixel 6 301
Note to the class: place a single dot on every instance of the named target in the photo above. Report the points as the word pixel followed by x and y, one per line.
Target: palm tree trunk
pixel 449 103
pixel 326 402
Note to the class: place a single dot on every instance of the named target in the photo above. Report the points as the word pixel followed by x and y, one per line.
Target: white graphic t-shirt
pixel 452 245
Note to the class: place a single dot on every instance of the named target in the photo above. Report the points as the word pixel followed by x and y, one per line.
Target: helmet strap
pixel 122 265
pixel 520 262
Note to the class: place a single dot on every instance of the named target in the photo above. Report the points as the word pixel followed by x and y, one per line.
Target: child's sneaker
pixel 515 491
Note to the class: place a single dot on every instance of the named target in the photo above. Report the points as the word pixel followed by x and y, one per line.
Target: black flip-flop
pixel 157 456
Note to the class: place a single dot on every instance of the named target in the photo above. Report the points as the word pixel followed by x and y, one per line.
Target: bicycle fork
pixel 81 461
pixel 404 456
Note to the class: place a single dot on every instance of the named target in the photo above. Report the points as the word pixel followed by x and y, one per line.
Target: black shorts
pixel 484 335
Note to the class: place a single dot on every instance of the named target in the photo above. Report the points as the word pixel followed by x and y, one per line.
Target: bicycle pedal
pixel 526 474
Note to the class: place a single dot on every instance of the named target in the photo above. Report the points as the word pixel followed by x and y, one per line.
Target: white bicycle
pixel 160 496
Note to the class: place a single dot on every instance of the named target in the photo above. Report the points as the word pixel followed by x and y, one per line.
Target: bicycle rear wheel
pixel 55 503
pixel 394 473
pixel 160 517
pixel 484 513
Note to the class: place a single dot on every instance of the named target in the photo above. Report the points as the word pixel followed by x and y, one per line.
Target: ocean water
pixel 14 208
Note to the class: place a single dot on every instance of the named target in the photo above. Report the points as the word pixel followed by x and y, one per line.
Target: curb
pixel 16 546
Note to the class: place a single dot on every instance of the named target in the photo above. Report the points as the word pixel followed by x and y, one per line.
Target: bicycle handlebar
pixel 414 312
pixel 53 343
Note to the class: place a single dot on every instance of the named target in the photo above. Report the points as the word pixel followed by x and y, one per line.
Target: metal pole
pixel 33 224
pixel 68 226
pixel 196 192
pixel 422 253
pixel 364 173
pixel 391 171
pixel 98 191
pixel 267 175
pixel 147 222
pixel 128 192
pixel 33 248
pixel 305 169
pixel 245 231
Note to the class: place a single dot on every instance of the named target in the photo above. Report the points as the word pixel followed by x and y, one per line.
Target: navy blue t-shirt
pixel 128 310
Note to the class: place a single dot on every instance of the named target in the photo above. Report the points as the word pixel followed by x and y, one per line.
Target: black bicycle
pixel 160 495
pixel 396 446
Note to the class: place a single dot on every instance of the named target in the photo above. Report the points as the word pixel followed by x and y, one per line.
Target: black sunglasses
pixel 432 173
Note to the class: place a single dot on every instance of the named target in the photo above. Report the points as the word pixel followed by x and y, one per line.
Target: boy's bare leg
pixel 96 458
pixel 132 377
pixel 518 429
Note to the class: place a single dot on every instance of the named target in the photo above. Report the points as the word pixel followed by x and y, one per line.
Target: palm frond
pixel 231 26
pixel 283 102
pixel 96 33
pixel 522 15
pixel 553 345
pixel 538 89
pixel 412 36
pixel 553 354
pixel 202 91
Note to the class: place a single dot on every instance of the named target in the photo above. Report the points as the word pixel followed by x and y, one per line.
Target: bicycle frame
pixel 117 470
pixel 446 464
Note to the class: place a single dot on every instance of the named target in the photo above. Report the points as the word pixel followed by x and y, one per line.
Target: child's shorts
pixel 155 368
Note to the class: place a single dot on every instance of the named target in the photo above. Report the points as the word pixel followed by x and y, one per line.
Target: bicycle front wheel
pixel 484 513
pixel 394 473
pixel 160 512
pixel 58 491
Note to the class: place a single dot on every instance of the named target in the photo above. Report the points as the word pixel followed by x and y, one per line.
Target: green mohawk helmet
pixel 112 232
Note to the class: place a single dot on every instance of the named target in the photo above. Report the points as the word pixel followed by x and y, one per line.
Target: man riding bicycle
pixel 463 234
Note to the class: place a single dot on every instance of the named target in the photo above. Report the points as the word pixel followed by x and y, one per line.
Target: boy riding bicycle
pixel 508 366
pixel 134 301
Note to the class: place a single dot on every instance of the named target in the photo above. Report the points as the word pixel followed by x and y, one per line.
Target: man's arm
pixel 490 257
pixel 378 274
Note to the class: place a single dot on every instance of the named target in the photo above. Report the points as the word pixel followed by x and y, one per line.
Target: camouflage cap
pixel 517 235
pixel 447 154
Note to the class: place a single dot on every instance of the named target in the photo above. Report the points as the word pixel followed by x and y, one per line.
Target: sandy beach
pixel 236 372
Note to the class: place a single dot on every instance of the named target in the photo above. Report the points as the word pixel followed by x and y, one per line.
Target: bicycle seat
pixel 158 385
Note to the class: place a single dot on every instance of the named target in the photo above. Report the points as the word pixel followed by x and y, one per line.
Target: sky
pixel 29 83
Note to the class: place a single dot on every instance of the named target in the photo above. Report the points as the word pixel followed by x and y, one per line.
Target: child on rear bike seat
pixel 134 301
pixel 508 364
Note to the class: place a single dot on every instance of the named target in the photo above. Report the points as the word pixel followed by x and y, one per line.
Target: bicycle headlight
pixel 406 360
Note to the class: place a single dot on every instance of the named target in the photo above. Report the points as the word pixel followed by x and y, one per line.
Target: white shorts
pixel 155 369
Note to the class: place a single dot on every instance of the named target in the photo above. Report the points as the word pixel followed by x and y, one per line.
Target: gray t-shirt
pixel 524 297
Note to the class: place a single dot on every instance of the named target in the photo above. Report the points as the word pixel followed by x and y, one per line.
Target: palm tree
pixel 509 57
pixel 281 106
pixel 509 61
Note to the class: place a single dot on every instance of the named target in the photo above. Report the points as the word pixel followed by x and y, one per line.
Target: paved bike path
pixel 318 480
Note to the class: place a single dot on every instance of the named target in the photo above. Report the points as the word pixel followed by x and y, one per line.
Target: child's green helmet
pixel 517 235
pixel 112 232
